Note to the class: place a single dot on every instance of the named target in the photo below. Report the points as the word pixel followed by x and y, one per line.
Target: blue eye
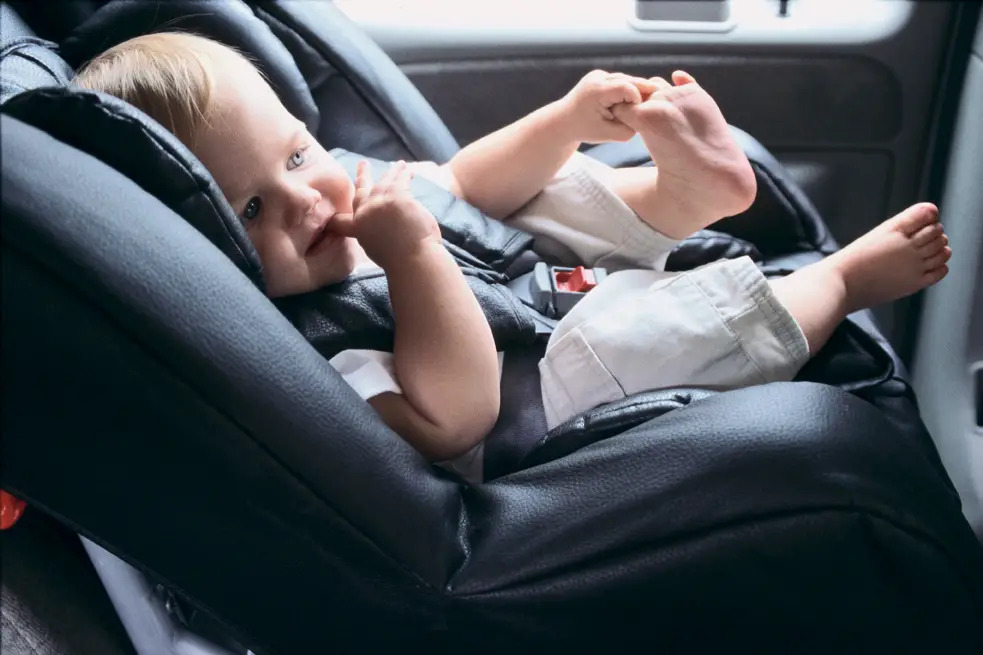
pixel 252 208
pixel 297 159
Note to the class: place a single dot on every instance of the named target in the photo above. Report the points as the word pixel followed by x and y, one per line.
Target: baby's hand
pixel 589 103
pixel 388 222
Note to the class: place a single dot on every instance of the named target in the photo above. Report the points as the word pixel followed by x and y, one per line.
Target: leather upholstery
pixel 12 25
pixel 26 61
pixel 153 158
pixel 164 408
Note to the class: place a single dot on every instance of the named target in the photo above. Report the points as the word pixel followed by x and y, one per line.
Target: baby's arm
pixel 445 357
pixel 501 172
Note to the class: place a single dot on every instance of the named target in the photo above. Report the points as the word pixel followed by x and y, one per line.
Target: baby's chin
pixel 347 259
pixel 355 256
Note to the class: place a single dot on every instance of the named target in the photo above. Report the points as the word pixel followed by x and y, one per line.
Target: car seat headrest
pixel 231 23
pixel 134 144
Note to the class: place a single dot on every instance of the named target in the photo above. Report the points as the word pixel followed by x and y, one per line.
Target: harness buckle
pixel 556 289
pixel 11 508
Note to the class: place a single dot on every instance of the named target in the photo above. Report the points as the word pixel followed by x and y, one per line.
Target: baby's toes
pixel 927 235
pixel 660 83
pixel 933 247
pixel 917 217
pixel 937 260
pixel 931 277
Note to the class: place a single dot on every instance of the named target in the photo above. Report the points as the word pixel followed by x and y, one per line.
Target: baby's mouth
pixel 320 236
pixel 324 234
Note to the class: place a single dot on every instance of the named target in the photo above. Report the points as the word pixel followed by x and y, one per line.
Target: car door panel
pixel 949 356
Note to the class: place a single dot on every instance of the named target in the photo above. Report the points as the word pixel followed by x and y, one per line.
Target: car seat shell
pixel 167 411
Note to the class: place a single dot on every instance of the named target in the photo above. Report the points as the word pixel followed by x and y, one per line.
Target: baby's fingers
pixel 645 86
pixel 390 178
pixel 631 94
pixel 627 114
pixel 621 92
pixel 363 175
pixel 401 180
pixel 363 183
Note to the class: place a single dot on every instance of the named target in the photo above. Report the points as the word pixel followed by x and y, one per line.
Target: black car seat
pixel 160 405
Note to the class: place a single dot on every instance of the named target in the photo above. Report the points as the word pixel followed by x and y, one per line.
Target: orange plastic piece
pixel 579 279
pixel 11 508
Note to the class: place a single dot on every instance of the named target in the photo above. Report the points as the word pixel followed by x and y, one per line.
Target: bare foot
pixel 902 255
pixel 699 162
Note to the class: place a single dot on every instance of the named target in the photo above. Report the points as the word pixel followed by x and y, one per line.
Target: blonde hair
pixel 168 75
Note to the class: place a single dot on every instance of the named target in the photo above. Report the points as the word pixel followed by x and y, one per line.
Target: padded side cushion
pixel 12 26
pixel 27 62
pixel 707 246
pixel 138 147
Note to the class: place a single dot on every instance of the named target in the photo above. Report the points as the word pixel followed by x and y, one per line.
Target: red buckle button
pixel 11 508
pixel 579 279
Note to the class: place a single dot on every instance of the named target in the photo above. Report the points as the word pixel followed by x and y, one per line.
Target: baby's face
pixel 283 184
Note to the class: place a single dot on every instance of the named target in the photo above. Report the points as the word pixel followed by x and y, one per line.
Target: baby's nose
pixel 305 204
pixel 312 208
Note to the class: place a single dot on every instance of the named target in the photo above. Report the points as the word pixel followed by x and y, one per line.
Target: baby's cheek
pixel 280 276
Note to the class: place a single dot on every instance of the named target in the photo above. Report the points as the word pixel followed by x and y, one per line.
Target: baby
pixel 722 325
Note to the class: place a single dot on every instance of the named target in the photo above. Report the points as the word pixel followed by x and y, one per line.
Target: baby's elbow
pixel 484 421
pixel 471 427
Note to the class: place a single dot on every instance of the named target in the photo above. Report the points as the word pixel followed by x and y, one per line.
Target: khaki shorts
pixel 719 326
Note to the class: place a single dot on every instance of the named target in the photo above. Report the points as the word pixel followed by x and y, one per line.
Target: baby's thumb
pixel 343 224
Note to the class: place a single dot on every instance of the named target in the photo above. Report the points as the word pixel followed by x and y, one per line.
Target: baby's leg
pixel 702 174
pixel 719 326
pixel 901 256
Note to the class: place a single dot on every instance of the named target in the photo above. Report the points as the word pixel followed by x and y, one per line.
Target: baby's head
pixel 276 176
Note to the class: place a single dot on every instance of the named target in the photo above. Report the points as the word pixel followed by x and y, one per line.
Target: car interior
pixel 184 473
